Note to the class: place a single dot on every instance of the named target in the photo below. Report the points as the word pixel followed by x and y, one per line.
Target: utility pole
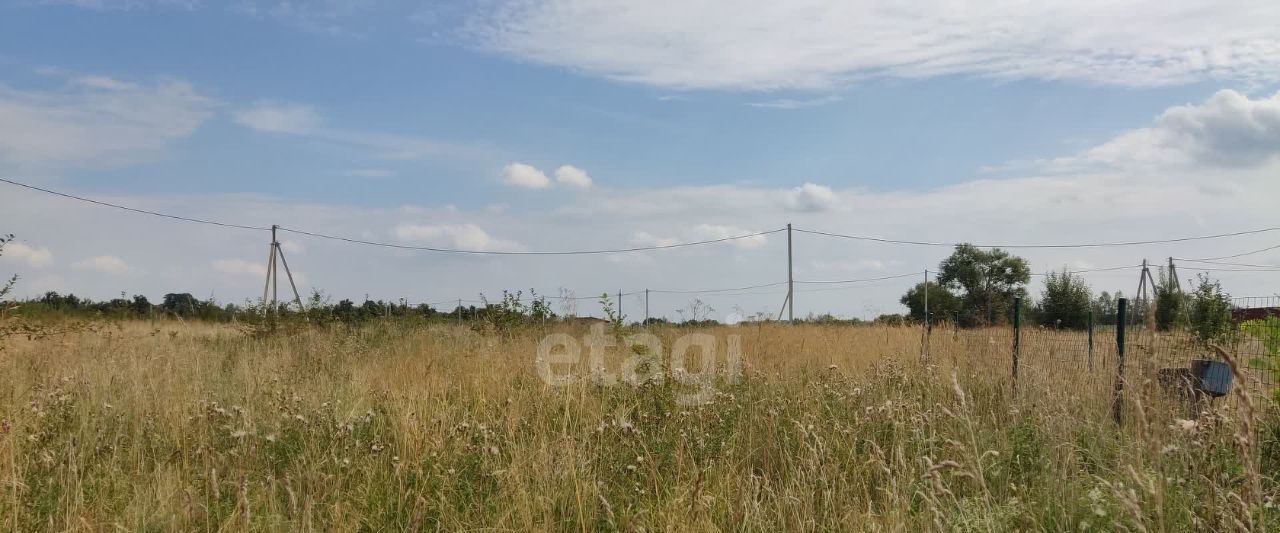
pixel 459 310
pixel 1173 276
pixel 620 305
pixel 646 306
pixel 1143 302
pixel 273 275
pixel 791 287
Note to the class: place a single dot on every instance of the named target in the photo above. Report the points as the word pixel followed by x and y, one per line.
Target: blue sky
pixel 393 121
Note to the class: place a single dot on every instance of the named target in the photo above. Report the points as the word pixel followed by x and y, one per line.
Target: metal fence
pixel 1088 359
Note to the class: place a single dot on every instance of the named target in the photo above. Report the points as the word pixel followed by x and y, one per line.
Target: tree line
pixel 977 288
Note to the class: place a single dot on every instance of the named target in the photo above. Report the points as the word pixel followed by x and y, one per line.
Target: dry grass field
pixel 168 426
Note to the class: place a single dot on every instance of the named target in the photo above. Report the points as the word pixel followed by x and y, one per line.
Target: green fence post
pixel 1117 403
pixel 1091 340
pixel 1017 338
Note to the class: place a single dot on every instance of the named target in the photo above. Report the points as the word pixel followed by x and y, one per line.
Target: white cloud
pixel 124 4
pixel 32 256
pixel 643 238
pixel 1101 203
pixel 810 198
pixel 293 247
pixel 371 173
pixel 299 120
pixel 526 176
pixel 573 176
pixel 99 120
pixel 1228 129
pixel 241 268
pixel 460 236
pixel 720 44
pixel 331 17
pixel 105 264
pixel 713 231
pixel 793 103
pixel 271 117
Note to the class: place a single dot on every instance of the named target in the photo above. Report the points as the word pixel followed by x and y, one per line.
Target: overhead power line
pixel 1258 251
pixel 861 280
pixel 1224 263
pixel 134 209
pixel 646 248
pixel 1012 246
pixel 702 291
pixel 527 252
pixel 387 244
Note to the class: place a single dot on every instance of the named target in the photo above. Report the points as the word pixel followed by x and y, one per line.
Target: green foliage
pixel 944 305
pixel 1210 311
pixel 1266 330
pixel 1105 307
pixel 615 318
pixel 991 279
pixel 892 319
pixel 7 287
pixel 1065 302
pixel 1171 303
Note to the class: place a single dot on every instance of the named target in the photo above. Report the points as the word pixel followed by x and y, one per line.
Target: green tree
pixel 181 304
pixel 991 279
pixel 943 304
pixel 1210 311
pixel 1171 303
pixel 1065 301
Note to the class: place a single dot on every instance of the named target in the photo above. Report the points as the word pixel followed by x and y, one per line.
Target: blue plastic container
pixel 1213 377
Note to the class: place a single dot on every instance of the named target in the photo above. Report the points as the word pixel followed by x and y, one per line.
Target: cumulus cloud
pixel 105 264
pixel 525 176
pixel 573 176
pixel 32 256
pixel 1228 129
pixel 720 44
pixel 460 236
pixel 97 119
pixel 810 198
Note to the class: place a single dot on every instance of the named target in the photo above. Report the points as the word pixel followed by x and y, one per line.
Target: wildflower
pixel 239 433
pixel 1185 425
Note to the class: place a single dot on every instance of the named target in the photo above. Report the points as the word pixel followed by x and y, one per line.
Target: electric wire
pixel 1014 246
pixel 134 209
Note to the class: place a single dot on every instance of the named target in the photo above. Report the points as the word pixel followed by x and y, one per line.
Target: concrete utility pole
pixel 791 287
pixel 273 275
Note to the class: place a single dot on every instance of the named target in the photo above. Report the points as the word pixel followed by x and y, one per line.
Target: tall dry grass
pixel 169 426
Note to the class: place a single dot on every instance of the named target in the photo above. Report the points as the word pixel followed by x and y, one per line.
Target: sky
pixel 534 125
